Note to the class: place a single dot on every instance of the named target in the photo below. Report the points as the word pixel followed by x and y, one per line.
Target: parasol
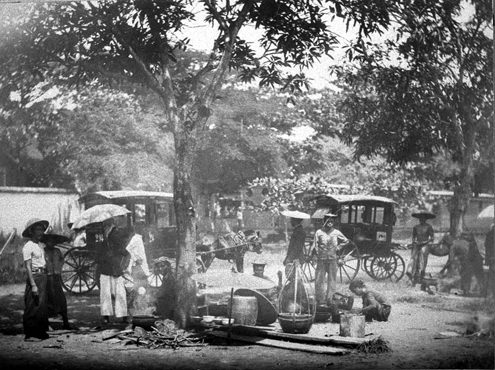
pixel 99 213
pixel 230 279
pixel 487 212
pixel 295 214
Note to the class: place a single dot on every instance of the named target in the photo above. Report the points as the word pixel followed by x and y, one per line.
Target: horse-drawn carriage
pixel 367 221
pixel 152 215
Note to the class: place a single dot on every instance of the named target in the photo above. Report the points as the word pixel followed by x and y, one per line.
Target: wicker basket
pixel 296 324
pixel 439 250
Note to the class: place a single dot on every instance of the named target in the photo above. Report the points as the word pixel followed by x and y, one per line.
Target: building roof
pixel 120 194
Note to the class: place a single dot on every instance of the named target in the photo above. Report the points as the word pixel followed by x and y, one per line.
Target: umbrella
pixel 99 213
pixel 296 214
pixel 487 212
pixel 229 279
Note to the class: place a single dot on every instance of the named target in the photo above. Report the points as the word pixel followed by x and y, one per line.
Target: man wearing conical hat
pixel 422 237
pixel 35 317
pixel 295 251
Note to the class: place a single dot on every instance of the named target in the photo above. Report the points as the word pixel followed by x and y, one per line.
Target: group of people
pixel 122 271
pixel 327 241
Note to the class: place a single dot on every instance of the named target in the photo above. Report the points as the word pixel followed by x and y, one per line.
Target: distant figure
pixel 35 317
pixel 422 237
pixel 240 219
pixel 327 241
pixel 56 301
pixel 375 305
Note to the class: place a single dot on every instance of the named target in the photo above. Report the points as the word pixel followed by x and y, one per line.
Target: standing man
pixel 295 251
pixel 328 240
pixel 112 260
pixel 422 236
pixel 35 318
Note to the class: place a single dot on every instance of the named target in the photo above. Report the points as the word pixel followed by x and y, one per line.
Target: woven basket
pixel 296 324
pixel 439 250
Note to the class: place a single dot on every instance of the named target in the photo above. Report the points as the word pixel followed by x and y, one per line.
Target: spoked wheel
pixel 348 261
pixel 366 263
pixel 400 269
pixel 79 271
pixel 391 267
pixel 308 266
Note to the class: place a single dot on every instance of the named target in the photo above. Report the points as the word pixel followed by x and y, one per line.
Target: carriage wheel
pixel 79 271
pixel 348 261
pixel 366 263
pixel 308 266
pixel 390 267
pixel 400 269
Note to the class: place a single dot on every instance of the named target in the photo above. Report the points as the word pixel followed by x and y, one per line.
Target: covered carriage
pixel 368 222
pixel 152 215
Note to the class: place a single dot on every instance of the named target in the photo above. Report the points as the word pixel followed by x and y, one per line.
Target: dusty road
pixel 416 320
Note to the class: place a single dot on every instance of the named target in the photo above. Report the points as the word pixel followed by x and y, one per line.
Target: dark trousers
pixel 35 318
pixel 380 313
pixel 56 302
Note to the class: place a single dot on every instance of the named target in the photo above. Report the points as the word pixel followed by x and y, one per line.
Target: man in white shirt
pixel 35 317
pixel 327 241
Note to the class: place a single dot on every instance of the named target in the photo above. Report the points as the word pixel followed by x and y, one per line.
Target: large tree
pixel 427 91
pixel 141 41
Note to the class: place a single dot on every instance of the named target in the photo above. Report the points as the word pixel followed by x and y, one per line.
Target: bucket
pixel 352 326
pixel 244 310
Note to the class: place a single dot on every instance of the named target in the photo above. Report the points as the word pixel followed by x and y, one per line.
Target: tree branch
pixel 216 15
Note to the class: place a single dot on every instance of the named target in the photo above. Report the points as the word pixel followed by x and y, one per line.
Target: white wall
pixel 18 205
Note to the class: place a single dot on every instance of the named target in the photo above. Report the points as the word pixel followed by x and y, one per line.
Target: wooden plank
pixel 267 332
pixel 281 344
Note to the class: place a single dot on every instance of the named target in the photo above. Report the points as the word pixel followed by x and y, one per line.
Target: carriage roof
pixel 356 198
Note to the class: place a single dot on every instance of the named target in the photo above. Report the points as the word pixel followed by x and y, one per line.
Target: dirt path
pixel 416 320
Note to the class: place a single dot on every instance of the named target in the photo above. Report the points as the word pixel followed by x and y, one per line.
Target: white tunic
pixel 34 252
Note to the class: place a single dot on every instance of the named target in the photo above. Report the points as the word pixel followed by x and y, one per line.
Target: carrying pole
pixel 9 240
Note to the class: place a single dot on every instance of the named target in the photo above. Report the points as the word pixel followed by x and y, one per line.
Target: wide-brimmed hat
pixel 54 238
pixel 330 215
pixel 31 223
pixel 296 214
pixel 423 213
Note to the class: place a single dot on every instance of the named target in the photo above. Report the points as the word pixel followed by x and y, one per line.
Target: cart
pixel 367 221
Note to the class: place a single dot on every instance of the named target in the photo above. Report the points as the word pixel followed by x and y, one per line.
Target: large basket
pixel 296 324
pixel 439 250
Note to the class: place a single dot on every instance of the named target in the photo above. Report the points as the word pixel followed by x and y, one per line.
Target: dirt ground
pixel 416 320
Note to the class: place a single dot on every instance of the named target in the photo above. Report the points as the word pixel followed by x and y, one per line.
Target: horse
pixel 231 247
pixel 464 259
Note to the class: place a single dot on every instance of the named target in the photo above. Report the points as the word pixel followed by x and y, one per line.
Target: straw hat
pixel 296 214
pixel 31 223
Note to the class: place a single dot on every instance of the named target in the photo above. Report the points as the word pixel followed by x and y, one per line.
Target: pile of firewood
pixel 164 334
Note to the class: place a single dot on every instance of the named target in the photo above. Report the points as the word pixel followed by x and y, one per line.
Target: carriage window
pixel 344 214
pixel 379 215
pixel 139 213
pixel 162 215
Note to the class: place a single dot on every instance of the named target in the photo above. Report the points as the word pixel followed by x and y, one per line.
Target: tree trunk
pixel 463 191
pixel 186 227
